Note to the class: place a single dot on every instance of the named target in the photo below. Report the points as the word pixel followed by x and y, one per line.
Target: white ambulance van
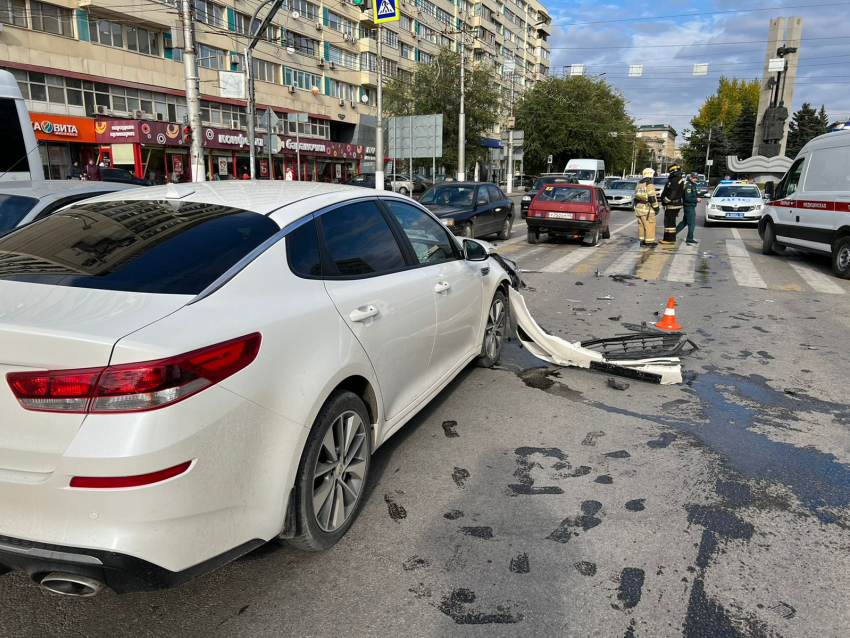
pixel 809 208
pixel 19 158
pixel 586 171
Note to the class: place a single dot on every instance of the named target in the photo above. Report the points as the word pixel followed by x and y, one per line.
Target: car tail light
pixel 136 386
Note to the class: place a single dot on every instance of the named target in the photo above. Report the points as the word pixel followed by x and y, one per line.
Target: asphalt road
pixel 530 500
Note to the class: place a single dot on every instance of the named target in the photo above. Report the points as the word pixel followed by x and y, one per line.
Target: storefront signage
pixel 229 140
pixel 322 148
pixel 62 128
pixel 222 166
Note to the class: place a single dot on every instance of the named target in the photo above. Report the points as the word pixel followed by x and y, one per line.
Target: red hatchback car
pixel 569 209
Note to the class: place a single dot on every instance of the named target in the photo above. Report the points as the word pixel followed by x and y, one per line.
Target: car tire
pixel 532 237
pixel 841 258
pixel 705 222
pixel 606 234
pixel 768 240
pixel 468 231
pixel 594 237
pixel 319 531
pixel 495 332
pixel 505 233
pixel 403 191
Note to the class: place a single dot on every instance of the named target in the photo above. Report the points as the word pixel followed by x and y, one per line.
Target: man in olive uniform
pixel 646 205
pixel 671 197
pixel 690 201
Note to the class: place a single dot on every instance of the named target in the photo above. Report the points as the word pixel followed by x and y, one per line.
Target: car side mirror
pixel 474 251
pixel 769 190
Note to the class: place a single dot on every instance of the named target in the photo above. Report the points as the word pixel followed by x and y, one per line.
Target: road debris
pixel 606 298
pixel 617 385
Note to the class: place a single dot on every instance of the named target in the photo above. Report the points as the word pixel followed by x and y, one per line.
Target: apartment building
pixel 104 78
pixel 661 140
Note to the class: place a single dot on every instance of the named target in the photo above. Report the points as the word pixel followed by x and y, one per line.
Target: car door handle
pixel 443 286
pixel 363 313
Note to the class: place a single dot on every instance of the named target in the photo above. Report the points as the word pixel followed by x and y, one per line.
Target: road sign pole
pixel 379 131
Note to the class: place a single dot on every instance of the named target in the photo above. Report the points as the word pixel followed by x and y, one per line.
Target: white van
pixel 19 159
pixel 809 208
pixel 587 171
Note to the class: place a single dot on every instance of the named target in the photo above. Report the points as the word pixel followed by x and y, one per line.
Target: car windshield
pixel 165 247
pixel 622 186
pixel 659 181
pixel 540 183
pixel 565 194
pixel 585 175
pixel 702 184
pixel 743 190
pixel 448 195
pixel 13 208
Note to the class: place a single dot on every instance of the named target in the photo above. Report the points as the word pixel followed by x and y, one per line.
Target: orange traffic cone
pixel 668 321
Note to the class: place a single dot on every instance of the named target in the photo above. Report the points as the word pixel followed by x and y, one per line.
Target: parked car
pixel 367 180
pixel 24 202
pixel 539 183
pixel 471 209
pixel 621 194
pixel 421 184
pixel 158 433
pixel 809 209
pixel 735 202
pixel 569 209
pixel 120 176
pixel 702 188
pixel 401 183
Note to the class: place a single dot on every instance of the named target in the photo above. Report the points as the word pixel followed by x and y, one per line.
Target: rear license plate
pixel 734 214
pixel 560 215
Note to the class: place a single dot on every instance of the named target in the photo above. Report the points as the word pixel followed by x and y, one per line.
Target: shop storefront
pixel 157 150
pixel 63 140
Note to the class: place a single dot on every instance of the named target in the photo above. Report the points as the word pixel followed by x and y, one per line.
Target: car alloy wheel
pixel 403 191
pixel 469 231
pixel 506 229
pixel 494 333
pixel 339 474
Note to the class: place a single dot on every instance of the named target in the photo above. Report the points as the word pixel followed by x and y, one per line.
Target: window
pixel 788 186
pixel 210 13
pixel 51 19
pixel 342 57
pixel 342 90
pixel 301 43
pixel 428 8
pixel 390 38
pixel 742 190
pixel 495 194
pixel 430 240
pixel 407 51
pixel 338 23
pixel 142 41
pixel 105 32
pixel 240 21
pixel 425 58
pixel 302 247
pixel 443 16
pixel 266 71
pixel 405 23
pixel 312 128
pixel 308 10
pixel 272 32
pixel 13 12
pixel 212 58
pixel 303 80
pixel 13 208
pixel 389 67
pixel 360 241
pixel 829 171
pixel 570 194
pixel 482 199
pixel 368 62
pixel 449 195
pixel 140 246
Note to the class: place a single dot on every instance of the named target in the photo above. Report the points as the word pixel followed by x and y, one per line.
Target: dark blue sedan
pixel 471 209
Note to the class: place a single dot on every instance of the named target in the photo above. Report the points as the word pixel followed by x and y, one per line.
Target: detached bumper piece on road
pixel 622 356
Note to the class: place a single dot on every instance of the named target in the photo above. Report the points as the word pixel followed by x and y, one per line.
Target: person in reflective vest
pixel 646 206
pixel 671 197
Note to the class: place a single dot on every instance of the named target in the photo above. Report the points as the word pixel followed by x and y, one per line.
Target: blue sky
pixel 733 44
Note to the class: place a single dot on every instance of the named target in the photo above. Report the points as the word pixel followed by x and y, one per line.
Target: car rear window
pixel 165 247
pixel 565 194
pixel 13 208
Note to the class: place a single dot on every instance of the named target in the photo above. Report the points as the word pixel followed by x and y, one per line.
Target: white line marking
pixel 625 263
pixel 816 279
pixel 569 260
pixel 618 229
pixel 735 233
pixel 684 264
pixel 742 266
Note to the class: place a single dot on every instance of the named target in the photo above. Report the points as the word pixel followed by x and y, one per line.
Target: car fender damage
pixel 622 356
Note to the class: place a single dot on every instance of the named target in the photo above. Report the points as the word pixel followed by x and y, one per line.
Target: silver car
pixel 23 202
pixel 621 194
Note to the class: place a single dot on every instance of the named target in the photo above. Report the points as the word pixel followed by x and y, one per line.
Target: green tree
pixel 742 133
pixel 575 117
pixel 726 104
pixel 805 125
pixel 436 89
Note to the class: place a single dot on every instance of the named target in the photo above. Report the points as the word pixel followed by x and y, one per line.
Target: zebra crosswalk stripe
pixel 683 266
pixel 742 266
pixel 625 263
pixel 816 279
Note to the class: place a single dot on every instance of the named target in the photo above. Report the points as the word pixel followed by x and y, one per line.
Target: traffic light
pixel 187 134
pixel 363 5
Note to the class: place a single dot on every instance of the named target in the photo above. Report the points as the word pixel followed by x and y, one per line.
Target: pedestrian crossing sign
pixel 387 11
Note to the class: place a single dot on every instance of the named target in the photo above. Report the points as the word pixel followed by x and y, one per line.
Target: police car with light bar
pixel 734 201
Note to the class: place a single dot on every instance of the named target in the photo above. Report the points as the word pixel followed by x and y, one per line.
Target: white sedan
pixel 735 202
pixel 189 371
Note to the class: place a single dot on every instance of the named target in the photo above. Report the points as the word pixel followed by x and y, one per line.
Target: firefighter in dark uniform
pixel 671 198
pixel 690 199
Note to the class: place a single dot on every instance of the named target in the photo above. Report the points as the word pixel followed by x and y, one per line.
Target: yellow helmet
pixel 648 172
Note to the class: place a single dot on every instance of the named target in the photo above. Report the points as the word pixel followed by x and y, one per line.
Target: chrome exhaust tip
pixel 71 585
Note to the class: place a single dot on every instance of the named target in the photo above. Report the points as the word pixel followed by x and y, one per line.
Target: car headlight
pixel 448 221
pixel 527 198
pixel 714 206
pixel 758 207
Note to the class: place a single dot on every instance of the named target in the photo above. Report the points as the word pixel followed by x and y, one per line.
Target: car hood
pixel 441 210
pixel 736 201
pixel 619 192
